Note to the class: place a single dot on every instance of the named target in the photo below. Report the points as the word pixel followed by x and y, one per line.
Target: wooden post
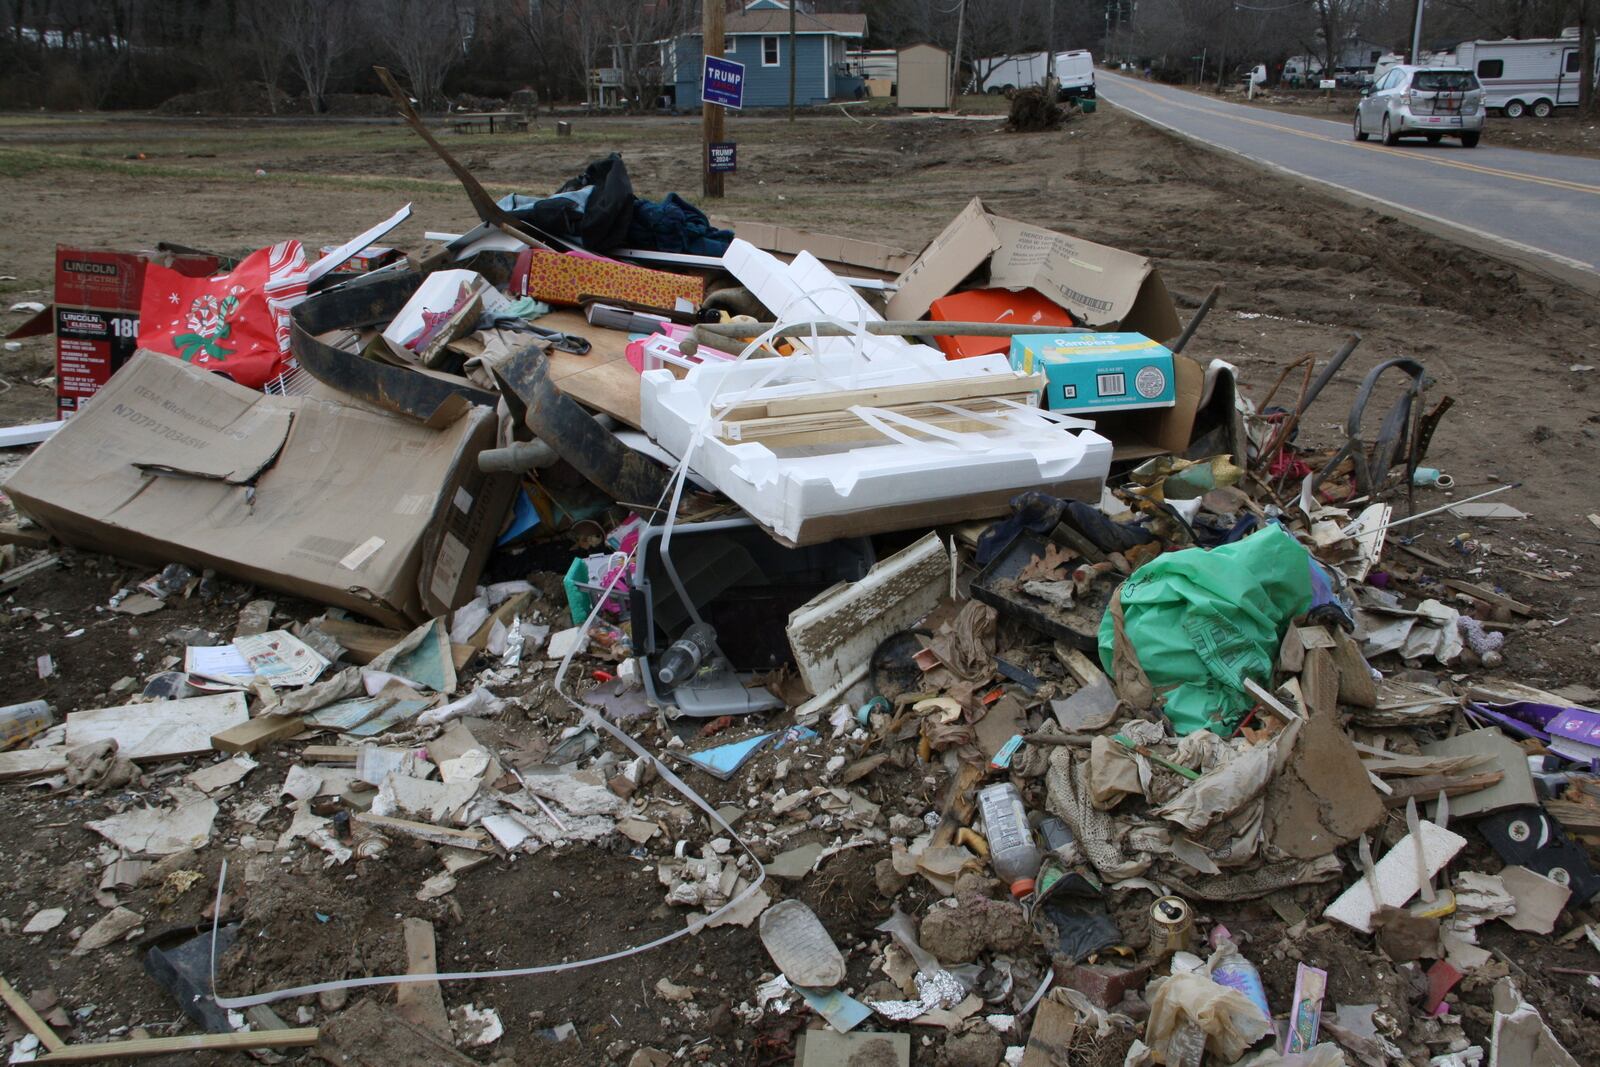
pixel 794 59
pixel 712 129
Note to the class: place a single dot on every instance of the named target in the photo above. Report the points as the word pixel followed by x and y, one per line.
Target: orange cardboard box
pixel 1027 306
pixel 558 278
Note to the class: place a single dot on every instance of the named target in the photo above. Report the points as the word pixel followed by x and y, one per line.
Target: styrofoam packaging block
pixel 804 289
pixel 1397 876
pixel 783 490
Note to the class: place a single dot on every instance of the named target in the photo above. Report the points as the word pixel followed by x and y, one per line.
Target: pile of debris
pixel 768 557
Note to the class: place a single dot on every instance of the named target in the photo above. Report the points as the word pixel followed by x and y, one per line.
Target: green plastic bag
pixel 1190 626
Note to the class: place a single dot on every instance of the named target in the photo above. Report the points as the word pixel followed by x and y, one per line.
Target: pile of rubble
pixel 792 558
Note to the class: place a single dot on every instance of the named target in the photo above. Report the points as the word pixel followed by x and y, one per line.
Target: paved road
pixel 1537 207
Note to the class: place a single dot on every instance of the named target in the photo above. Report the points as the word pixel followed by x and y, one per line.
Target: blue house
pixel 758 37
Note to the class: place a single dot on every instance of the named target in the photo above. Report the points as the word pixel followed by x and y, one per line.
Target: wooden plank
pixel 302 1037
pixel 33 537
pixel 1579 818
pixel 422 1003
pixel 257 733
pixel 167 729
pixel 32 763
pixel 17 575
pixel 951 390
pixel 329 754
pixel 476 840
pixel 1488 596
pixel 1085 670
pixel 1399 790
pixel 603 379
pixel 30 1018
pixel 828 429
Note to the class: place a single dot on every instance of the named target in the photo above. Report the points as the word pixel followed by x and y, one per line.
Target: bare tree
pixel 317 32
pixel 268 39
pixel 427 37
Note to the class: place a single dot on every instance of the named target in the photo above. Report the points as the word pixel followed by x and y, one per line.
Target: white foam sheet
pixel 784 488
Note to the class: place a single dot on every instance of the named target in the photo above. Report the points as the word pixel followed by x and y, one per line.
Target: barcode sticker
pixel 361 553
pixel 1111 384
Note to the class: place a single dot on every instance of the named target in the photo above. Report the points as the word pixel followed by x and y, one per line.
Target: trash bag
pixel 1191 626
pixel 1230 1022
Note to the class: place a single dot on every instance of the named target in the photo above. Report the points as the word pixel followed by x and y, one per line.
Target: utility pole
pixel 1416 36
pixel 712 129
pixel 955 61
pixel 794 58
pixel 1050 43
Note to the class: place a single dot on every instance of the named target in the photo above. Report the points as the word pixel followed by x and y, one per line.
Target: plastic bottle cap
pixel 1021 887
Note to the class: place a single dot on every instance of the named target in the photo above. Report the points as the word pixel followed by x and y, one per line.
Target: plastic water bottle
pixel 685 655
pixel 21 721
pixel 1230 968
pixel 1012 853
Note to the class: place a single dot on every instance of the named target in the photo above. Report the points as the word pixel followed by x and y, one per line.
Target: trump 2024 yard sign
pixel 722 82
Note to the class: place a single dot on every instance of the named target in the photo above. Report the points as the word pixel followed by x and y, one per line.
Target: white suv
pixel 1432 102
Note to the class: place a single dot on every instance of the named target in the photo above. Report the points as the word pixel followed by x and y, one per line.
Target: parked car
pixel 1431 102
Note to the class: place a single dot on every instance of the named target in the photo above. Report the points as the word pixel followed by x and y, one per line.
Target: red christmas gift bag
pixel 236 324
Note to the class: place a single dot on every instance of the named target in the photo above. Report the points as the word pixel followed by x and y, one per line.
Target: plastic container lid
pixel 1021 887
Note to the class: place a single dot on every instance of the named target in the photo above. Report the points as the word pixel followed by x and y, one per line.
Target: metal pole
pixel 955 61
pixel 712 128
pixel 794 58
pixel 1416 36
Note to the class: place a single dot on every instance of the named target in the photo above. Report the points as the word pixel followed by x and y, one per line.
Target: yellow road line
pixel 1554 183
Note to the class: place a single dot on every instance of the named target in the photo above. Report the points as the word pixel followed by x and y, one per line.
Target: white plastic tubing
pixel 674 490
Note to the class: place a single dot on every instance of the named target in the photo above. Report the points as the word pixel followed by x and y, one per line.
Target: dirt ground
pixel 1517 351
pixel 1565 132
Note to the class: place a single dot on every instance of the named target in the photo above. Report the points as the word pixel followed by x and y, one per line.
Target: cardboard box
pixel 373 513
pixel 566 278
pixel 1103 287
pixel 1157 431
pixel 368 259
pixel 97 314
pixel 1025 306
pixel 1090 372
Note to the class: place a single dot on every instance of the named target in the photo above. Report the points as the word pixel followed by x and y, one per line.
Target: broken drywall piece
pixel 801 946
pixel 1396 876
pixel 221 775
pixel 833 635
pixel 167 729
pixel 112 927
pixel 1539 900
pixel 1519 1036
pixel 158 831
pixel 1323 797
pixel 1514 790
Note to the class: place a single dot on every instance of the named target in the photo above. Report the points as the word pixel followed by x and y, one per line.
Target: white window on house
pixel 729 45
pixel 769 51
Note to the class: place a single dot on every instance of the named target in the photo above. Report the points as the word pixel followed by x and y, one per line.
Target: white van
pixel 1075 75
pixel 1518 77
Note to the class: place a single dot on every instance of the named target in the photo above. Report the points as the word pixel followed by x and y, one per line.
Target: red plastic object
pixel 1441 979
pixel 603 676
pixel 1023 306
